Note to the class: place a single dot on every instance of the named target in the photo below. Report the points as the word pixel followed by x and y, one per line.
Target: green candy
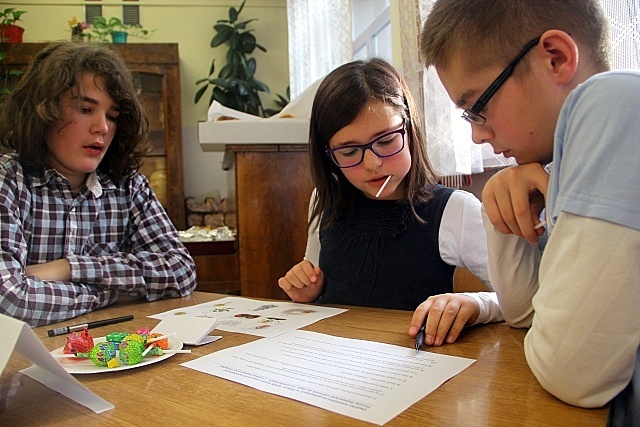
pixel 135 337
pixel 102 352
pixel 116 336
pixel 131 352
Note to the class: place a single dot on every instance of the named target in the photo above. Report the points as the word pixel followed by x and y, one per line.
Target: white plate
pixel 86 366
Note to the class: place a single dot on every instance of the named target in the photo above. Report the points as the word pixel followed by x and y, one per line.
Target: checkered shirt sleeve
pixel 118 242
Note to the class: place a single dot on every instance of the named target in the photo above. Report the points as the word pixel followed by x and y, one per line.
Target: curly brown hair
pixel 33 106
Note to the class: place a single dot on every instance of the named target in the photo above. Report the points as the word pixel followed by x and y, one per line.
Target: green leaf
pixel 199 94
pixel 261 86
pixel 233 14
pixel 222 37
pixel 242 25
pixel 222 27
pixel 213 66
pixel 247 43
pixel 226 72
pixel 242 88
pixel 234 41
pixel 251 66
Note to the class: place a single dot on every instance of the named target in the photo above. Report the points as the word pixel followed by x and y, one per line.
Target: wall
pixel 190 24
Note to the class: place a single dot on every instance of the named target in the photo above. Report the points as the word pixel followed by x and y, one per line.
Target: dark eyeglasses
pixel 472 115
pixel 385 145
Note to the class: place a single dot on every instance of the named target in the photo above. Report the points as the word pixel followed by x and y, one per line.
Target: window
pixel 371 28
pixel 131 13
pixel 92 9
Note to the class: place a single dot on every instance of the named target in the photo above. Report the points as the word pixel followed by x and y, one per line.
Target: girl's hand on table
pixel 303 283
pixel 447 315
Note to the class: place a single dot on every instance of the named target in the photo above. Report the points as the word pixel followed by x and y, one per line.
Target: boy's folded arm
pixel 513 270
pixel 582 347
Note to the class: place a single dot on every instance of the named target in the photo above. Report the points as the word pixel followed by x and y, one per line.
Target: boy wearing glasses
pixel 382 232
pixel 555 105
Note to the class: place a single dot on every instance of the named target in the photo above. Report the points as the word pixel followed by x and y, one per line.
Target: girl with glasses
pixel 382 232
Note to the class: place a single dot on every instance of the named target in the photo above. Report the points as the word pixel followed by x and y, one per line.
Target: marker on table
pixel 420 337
pixel 89 325
pixel 386 181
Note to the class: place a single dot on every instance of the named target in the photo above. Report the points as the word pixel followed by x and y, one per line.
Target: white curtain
pixel 449 144
pixel 624 17
pixel 319 40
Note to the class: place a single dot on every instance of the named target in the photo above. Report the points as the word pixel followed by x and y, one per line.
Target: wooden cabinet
pixel 217 266
pixel 156 71
pixel 273 187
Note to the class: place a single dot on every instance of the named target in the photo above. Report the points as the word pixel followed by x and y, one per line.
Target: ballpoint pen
pixel 420 337
pixel 67 329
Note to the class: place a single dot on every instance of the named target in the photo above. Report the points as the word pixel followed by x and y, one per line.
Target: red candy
pixel 78 343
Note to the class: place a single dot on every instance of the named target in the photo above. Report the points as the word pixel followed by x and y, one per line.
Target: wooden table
pixel 497 390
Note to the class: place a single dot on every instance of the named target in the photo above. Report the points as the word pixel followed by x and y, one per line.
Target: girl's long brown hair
pixel 340 98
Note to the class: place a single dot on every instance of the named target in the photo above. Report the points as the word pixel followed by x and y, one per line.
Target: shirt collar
pixel 96 181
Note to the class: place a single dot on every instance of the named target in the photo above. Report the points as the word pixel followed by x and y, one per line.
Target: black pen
pixel 105 322
pixel 420 337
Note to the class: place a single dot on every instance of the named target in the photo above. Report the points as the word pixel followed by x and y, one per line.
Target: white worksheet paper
pixel 366 380
pixel 254 317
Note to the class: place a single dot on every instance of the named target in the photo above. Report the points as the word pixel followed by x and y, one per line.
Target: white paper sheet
pixel 366 380
pixel 189 330
pixel 46 370
pixel 253 317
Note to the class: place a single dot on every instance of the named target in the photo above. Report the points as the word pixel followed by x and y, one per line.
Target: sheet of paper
pixel 253 317
pixel 46 370
pixel 366 380
pixel 189 330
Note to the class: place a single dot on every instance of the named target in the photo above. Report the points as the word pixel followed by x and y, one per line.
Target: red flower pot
pixel 11 33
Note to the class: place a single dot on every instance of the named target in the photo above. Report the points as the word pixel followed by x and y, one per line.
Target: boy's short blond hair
pixel 489 32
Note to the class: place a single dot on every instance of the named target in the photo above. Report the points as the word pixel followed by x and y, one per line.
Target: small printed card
pixel 189 330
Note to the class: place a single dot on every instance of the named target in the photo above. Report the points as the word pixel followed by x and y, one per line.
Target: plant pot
pixel 11 33
pixel 118 37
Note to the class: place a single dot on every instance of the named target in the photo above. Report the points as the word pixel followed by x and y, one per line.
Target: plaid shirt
pixel 117 238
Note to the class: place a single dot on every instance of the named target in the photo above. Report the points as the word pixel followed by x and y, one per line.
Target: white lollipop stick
pixel 160 338
pixel 383 185
pixel 147 350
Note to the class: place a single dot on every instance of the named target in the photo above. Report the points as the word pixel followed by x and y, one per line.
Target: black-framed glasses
pixel 385 145
pixel 472 115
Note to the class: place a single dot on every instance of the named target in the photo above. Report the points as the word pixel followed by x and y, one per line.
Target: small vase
pixel 119 37
pixel 77 34
pixel 158 181
pixel 11 33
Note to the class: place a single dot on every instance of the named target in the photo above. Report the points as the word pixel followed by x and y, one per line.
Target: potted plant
pixel 101 28
pixel 235 86
pixel 77 29
pixel 9 31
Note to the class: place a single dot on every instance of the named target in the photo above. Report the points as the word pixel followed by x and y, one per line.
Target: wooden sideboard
pixel 217 266
pixel 273 186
